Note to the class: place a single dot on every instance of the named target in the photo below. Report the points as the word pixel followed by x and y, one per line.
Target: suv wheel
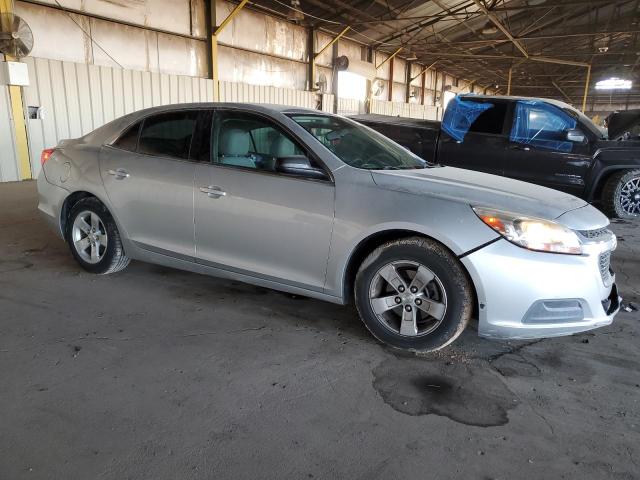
pixel 621 194
pixel 94 239
pixel 413 294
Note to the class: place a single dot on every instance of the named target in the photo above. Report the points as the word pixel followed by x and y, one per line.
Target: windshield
pixel 357 145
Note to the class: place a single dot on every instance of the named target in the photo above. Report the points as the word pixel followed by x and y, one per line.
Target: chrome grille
pixel 604 263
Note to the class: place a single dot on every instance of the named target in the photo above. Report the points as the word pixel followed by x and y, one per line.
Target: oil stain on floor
pixel 468 393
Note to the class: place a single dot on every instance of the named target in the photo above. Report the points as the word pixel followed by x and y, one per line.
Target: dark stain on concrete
pixel 467 393
pixel 7 266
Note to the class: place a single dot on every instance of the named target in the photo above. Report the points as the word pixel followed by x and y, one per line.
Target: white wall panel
pixel 408 110
pixel 348 106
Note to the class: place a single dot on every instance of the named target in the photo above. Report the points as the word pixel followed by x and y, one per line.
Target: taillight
pixel 46 155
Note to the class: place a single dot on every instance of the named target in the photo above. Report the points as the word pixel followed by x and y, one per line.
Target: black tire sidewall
pixel 453 280
pixel 95 206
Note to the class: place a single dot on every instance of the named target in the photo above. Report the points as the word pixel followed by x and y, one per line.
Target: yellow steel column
pixel 214 45
pixel 586 89
pixel 17 112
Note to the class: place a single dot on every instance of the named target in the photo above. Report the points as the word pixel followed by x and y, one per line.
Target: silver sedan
pixel 318 205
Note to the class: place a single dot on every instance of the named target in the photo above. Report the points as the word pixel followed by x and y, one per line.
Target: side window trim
pixel 215 132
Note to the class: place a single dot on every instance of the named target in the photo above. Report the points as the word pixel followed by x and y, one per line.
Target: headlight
pixel 531 233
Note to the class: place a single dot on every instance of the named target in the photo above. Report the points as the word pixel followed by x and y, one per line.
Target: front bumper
pixel 524 294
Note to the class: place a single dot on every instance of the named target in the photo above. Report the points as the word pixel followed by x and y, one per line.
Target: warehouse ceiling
pixel 547 44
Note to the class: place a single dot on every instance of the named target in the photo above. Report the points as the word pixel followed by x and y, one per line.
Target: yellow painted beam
pixel 17 113
pixel 424 70
pixel 214 68
pixel 586 89
pixel 217 30
pixel 389 58
pixel 233 13
pixel 334 40
pixel 20 126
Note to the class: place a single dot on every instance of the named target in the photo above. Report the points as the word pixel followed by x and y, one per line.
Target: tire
pixel 448 295
pixel 621 195
pixel 105 240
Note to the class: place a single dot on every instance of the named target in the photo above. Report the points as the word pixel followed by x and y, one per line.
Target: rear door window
pixel 168 134
pixel 463 116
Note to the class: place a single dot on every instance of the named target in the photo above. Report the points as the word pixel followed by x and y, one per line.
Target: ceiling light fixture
pixel 489 29
pixel 295 13
pixel 614 83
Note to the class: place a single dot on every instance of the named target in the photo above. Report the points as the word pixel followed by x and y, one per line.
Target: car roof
pixel 258 107
pixel 557 103
pixel 111 130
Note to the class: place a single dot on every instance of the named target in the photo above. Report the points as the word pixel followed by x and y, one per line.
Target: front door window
pixel 542 126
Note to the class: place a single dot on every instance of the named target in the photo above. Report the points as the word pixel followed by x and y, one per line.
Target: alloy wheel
pixel 408 298
pixel 630 197
pixel 89 237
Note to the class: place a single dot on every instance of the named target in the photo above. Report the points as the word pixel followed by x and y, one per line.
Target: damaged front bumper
pixel 524 294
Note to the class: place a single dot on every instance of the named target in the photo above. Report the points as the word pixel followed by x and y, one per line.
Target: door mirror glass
pixel 576 136
pixel 300 166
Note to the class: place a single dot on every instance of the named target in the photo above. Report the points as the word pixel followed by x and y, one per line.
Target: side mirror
pixel 576 136
pixel 300 166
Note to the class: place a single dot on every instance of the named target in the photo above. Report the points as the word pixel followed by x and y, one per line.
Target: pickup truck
pixel 536 140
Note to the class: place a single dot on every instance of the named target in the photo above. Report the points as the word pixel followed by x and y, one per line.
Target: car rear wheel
pixel 413 294
pixel 621 194
pixel 94 239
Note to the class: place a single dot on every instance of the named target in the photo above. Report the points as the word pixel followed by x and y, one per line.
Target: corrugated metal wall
pixel 78 98
pixel 410 110
pixel 243 92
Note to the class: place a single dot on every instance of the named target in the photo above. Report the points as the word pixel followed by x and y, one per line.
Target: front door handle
pixel 119 173
pixel 519 147
pixel 213 191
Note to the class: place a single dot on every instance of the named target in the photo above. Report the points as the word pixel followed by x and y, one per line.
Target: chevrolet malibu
pixel 317 205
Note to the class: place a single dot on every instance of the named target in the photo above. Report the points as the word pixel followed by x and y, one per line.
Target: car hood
pixel 480 189
pixel 618 123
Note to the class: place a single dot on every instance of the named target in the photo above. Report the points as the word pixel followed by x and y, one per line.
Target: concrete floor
pixel 160 374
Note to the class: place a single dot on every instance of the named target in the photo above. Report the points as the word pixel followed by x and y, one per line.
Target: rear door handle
pixel 519 147
pixel 119 173
pixel 213 191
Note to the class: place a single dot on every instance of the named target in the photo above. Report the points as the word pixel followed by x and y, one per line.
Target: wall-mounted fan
pixel 414 93
pixel 377 88
pixel 321 83
pixel 16 38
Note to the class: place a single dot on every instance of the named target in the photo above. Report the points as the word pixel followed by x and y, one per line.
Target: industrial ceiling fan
pixel 16 38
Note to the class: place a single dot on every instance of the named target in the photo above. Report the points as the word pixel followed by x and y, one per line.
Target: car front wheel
pixel 621 194
pixel 413 294
pixel 94 239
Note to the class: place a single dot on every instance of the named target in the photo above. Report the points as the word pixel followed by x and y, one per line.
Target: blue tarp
pixel 541 125
pixel 460 115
